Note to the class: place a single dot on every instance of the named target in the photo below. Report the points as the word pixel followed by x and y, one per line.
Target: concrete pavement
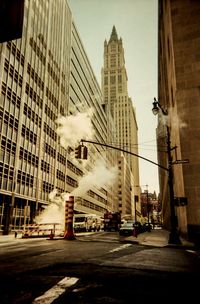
pixel 158 238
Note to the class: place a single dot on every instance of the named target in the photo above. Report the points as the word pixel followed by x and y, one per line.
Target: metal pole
pixel 148 204
pixel 135 212
pixel 173 236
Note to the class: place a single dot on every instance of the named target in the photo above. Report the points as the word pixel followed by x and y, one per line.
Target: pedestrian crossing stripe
pixel 50 295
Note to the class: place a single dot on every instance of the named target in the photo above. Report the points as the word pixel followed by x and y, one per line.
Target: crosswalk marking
pixel 120 248
pixel 50 295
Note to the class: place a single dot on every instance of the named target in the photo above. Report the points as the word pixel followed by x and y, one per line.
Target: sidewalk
pixel 9 238
pixel 158 238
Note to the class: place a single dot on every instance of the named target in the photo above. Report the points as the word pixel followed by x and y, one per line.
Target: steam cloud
pixel 53 213
pixel 72 129
pixel 99 177
pixel 176 121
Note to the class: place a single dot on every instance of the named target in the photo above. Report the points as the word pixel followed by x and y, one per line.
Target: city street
pixel 95 268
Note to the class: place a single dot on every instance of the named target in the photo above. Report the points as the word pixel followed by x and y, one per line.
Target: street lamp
pixel 173 236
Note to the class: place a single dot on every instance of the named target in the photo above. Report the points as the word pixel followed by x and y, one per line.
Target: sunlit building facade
pixel 43 75
pixel 179 83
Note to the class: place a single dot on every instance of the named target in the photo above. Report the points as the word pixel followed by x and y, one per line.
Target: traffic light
pixel 81 152
pixel 84 148
pixel 78 152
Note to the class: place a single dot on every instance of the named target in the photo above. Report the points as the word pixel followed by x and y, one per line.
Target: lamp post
pixel 148 205
pixel 173 236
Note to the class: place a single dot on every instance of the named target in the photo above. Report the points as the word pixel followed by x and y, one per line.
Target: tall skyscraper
pixel 119 106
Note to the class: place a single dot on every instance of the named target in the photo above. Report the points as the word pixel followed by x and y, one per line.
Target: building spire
pixel 113 36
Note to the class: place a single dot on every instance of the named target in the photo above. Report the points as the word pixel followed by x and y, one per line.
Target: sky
pixel 136 24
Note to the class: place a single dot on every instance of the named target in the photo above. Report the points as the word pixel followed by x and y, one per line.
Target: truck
pixel 112 221
pixel 84 222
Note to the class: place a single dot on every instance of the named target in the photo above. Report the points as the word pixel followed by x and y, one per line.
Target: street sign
pixel 180 161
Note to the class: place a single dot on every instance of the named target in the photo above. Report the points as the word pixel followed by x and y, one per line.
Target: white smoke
pixel 177 122
pixel 173 119
pixel 73 128
pixel 52 213
pixel 100 176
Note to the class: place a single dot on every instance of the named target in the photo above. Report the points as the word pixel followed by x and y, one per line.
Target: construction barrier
pixel 40 230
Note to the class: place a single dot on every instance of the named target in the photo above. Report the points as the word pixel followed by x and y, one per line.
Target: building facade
pixel 43 75
pixel 120 107
pixel 179 83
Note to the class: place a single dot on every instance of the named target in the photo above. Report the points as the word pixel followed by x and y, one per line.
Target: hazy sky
pixel 136 24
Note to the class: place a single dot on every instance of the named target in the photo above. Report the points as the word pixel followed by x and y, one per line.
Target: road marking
pixel 120 248
pixel 50 295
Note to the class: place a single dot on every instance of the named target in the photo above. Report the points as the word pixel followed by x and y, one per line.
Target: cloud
pixel 100 176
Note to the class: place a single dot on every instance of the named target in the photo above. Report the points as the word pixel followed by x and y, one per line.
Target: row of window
pixel 49 150
pixel 60 175
pixel 35 77
pixel 25 178
pixel 112 79
pixel 92 206
pixel 33 95
pixel 53 74
pixel 54 61
pixel 50 113
pixel 51 97
pixel 74 169
pixel 13 73
pixel 6 172
pixel 72 182
pixel 29 157
pixel 61 159
pixel 37 50
pixel 16 52
pixel 9 119
pixel 16 100
pixel 32 115
pixel 47 187
pixel 41 38
pixel 45 166
pixel 96 196
pixel 8 146
pixel 48 130
pixel 28 180
pixel 29 135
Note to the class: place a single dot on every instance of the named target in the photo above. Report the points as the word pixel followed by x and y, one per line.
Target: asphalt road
pixel 95 268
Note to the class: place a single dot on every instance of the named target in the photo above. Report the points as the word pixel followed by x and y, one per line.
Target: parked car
pixel 126 229
pixel 138 226
pixel 129 227
pixel 147 227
